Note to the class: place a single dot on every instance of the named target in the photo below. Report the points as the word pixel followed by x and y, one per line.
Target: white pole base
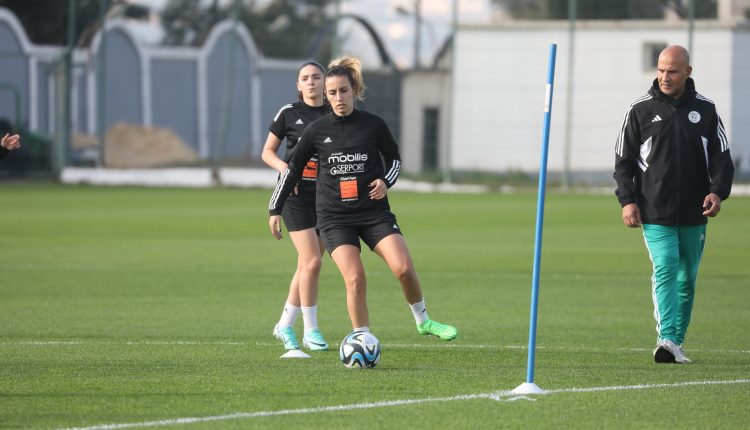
pixel 527 388
pixel 295 353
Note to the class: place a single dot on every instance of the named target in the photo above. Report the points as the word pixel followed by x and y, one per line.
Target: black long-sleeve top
pixel 289 123
pixel 353 151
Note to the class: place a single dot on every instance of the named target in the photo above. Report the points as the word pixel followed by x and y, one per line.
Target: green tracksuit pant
pixel 676 254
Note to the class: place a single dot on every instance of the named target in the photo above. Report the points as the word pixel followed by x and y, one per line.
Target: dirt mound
pixel 135 146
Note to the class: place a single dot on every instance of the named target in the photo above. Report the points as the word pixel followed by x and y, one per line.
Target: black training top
pixel 3 152
pixel 353 151
pixel 289 123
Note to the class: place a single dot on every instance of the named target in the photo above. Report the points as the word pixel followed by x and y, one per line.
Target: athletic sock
pixel 419 310
pixel 310 317
pixel 364 329
pixel 289 315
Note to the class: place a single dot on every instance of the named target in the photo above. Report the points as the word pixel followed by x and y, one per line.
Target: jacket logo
pixel 694 117
pixel 340 157
pixel 328 140
pixel 299 122
pixel 657 118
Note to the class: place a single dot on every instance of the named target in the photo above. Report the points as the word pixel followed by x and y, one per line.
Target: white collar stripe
pixel 283 108
pixel 702 97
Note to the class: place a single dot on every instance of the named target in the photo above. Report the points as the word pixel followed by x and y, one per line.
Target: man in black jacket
pixel 673 169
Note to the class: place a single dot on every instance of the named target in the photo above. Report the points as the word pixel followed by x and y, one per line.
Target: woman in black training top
pixel 352 198
pixel 299 212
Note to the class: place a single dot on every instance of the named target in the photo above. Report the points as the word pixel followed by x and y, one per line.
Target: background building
pixel 494 124
pixel 501 71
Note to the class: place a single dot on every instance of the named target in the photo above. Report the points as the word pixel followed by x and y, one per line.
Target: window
pixel 430 139
pixel 651 51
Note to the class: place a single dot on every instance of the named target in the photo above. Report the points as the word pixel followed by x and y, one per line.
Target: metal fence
pixel 149 105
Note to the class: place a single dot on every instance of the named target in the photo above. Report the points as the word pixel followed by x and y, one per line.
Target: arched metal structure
pixel 324 33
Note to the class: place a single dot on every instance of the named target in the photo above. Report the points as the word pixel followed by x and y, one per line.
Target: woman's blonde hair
pixel 350 67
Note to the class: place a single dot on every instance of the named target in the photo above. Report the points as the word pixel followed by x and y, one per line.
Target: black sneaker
pixel 662 353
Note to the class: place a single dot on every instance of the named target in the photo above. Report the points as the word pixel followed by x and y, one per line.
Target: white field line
pixel 385 345
pixel 542 347
pixel 106 342
pixel 498 396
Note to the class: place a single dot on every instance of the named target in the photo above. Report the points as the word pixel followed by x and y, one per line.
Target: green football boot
pixel 443 331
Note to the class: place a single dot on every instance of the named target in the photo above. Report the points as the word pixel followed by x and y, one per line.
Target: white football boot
pixel 669 352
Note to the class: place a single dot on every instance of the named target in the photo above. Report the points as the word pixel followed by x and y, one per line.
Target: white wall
pixel 739 126
pixel 500 87
pixel 420 90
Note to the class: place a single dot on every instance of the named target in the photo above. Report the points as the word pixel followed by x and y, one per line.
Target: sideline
pixel 197 177
pixel 497 396
pixel 261 177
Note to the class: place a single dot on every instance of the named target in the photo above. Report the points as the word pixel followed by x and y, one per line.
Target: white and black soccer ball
pixel 360 349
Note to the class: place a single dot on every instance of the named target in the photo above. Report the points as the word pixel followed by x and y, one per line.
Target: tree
pixel 284 28
pixel 46 21
pixel 605 9
pixel 280 28
pixel 186 22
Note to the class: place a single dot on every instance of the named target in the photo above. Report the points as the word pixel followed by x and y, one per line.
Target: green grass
pixel 123 305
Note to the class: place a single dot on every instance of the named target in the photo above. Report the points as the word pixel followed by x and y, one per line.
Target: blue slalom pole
pixel 529 387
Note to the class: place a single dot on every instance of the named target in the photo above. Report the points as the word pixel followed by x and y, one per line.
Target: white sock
pixel 365 329
pixel 310 317
pixel 419 310
pixel 289 315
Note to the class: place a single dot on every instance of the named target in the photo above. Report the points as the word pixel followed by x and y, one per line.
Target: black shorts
pixel 298 212
pixel 371 234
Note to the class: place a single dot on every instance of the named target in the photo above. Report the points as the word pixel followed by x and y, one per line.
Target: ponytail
pixel 351 68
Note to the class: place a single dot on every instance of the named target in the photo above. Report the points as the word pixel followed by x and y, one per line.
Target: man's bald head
pixel 673 70
pixel 676 52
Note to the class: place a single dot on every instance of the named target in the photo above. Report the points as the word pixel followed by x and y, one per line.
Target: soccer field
pixel 139 308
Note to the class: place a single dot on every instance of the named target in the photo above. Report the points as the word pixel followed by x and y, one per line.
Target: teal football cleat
pixel 287 336
pixel 443 331
pixel 314 341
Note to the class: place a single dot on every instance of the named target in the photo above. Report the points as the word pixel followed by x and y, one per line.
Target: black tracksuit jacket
pixel 669 157
pixel 352 151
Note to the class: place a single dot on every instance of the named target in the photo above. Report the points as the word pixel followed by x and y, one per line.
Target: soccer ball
pixel 360 349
